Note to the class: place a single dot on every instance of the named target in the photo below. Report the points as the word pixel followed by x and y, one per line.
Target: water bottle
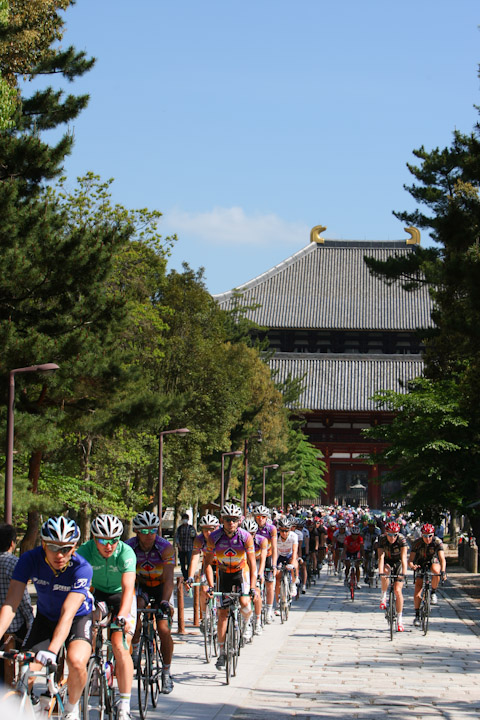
pixel 109 673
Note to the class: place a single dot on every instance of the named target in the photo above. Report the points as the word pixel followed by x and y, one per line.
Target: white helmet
pixel 232 510
pixel 342 524
pixel 250 525
pixel 262 510
pixel 107 526
pixel 145 519
pixel 60 529
pixel 209 520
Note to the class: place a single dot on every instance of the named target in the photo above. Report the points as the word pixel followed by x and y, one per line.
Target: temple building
pixel 348 335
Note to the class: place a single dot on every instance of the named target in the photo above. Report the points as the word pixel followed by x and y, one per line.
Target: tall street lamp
pixel 285 472
pixel 182 432
pixel 44 368
pixel 274 467
pixel 222 490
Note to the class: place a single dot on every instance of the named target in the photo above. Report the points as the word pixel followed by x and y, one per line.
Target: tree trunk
pixel 84 515
pixel 30 538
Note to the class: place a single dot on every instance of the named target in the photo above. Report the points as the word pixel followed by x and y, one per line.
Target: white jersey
pixel 285 547
pixel 299 534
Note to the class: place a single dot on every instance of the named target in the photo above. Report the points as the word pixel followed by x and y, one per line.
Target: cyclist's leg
pixel 435 568
pixel 347 568
pixel 79 648
pixel 384 585
pixel 142 602
pixel 417 596
pixel 166 641
pixel 270 587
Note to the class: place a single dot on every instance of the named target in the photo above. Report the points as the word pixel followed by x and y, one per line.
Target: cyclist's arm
pixel 252 566
pixel 208 559
pixel 71 605
pixel 411 560
pixel 403 558
pixel 12 601
pixel 192 568
pixel 274 550
pixel 263 559
pixel 167 586
pixel 307 545
pixel 443 562
pixel 128 591
pixel 381 560
pixel 294 559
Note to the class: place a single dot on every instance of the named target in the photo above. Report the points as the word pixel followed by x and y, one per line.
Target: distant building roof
pixel 344 382
pixel 329 286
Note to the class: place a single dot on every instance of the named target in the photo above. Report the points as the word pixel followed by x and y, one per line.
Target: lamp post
pixel 285 472
pixel 274 467
pixel 181 432
pixel 44 368
pixel 222 491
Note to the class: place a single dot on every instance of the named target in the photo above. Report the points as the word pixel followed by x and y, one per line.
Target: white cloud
pixel 233 227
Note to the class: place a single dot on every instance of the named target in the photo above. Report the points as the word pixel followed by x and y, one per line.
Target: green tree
pixel 446 187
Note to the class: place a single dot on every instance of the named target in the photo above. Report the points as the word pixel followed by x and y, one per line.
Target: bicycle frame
pixel 56 691
pixel 425 603
pixel 100 675
pixel 233 635
pixel 391 611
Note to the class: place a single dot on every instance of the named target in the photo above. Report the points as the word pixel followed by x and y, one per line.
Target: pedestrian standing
pixel 184 538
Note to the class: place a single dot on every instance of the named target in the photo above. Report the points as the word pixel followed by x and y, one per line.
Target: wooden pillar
pixel 374 488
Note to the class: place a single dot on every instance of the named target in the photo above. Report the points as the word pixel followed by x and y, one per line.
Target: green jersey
pixel 107 572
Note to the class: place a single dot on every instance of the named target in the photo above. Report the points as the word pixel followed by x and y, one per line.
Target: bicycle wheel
pixel 425 611
pixel 391 613
pixel 143 676
pixel 352 583
pixel 229 648
pixel 155 670
pixel 208 633
pixel 96 705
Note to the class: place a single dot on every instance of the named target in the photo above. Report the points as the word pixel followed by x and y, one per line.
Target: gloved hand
pixel 189 581
pixel 289 567
pixel 165 607
pixel 253 592
pixel 46 657
pixel 121 621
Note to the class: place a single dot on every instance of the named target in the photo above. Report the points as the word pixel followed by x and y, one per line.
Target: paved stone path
pixel 334 659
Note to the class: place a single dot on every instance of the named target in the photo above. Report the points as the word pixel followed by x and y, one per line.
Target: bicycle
pixel 149 663
pixel 233 635
pixel 425 603
pixel 99 692
pixel 352 580
pixel 311 572
pixel 51 701
pixel 330 565
pixel 391 610
pixel 370 576
pixel 209 625
pixel 285 595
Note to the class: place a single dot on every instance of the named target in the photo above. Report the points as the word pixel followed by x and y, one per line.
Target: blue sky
pixel 248 123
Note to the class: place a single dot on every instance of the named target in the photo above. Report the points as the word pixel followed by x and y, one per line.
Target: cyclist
pixel 260 544
pixel 155 563
pixel 392 558
pixel 370 535
pixel 208 523
pixel 322 541
pixel 113 563
pixel 235 555
pixel 339 537
pixel 427 553
pixel 353 552
pixel 64 604
pixel 287 555
pixel 267 529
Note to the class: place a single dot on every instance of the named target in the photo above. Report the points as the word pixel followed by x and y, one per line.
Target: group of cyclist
pixel 79 584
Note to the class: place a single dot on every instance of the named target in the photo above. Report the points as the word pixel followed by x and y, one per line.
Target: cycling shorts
pixel 352 556
pixel 284 560
pixel 234 582
pixel 43 629
pixel 113 602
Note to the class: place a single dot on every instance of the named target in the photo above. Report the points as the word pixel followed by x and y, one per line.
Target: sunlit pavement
pixel 334 658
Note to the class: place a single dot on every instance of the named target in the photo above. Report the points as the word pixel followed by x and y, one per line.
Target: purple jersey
pixel 259 543
pixel 150 563
pixel 269 531
pixel 231 553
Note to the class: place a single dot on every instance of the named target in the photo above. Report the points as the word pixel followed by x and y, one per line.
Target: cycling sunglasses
pixel 231 519
pixel 107 541
pixel 428 535
pixel 392 534
pixel 62 549
pixel 147 531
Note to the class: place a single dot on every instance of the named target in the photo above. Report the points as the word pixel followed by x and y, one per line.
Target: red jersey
pixel 353 543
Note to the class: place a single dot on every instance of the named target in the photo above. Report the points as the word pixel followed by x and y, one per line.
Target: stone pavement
pixel 334 658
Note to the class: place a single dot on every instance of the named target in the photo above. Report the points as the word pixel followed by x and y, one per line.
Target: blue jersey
pixel 52 588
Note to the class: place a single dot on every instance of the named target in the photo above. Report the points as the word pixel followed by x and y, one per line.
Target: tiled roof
pixel 329 286
pixel 343 382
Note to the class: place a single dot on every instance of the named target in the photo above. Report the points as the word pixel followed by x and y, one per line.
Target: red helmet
pixel 427 529
pixel 392 527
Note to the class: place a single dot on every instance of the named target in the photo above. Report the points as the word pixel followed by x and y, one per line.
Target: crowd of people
pixel 78 583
